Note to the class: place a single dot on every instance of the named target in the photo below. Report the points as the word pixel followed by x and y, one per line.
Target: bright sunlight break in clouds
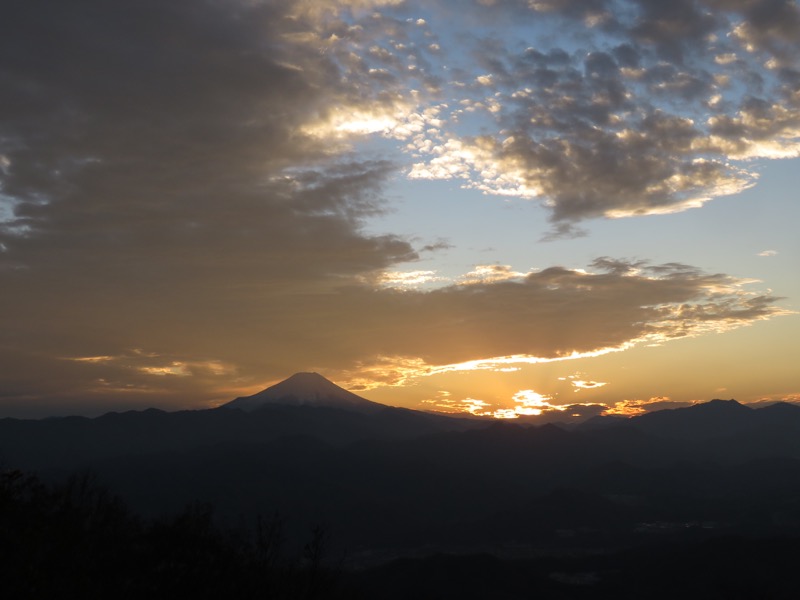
pixel 480 205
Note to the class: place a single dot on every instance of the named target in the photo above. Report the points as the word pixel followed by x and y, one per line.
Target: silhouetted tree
pixel 76 539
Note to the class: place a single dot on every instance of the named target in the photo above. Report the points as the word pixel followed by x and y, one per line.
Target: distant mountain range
pixel 305 404
pixel 388 481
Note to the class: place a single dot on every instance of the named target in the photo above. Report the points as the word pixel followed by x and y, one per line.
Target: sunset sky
pixel 503 206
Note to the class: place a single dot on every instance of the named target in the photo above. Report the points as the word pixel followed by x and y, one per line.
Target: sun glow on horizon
pixel 528 403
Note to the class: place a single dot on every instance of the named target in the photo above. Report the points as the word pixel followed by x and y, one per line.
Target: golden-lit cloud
pixel 155 364
pixel 444 401
pixel 383 371
pixel 578 383
pixel 408 279
pixel 490 274
pixel 791 398
pixel 631 408
pixel 559 314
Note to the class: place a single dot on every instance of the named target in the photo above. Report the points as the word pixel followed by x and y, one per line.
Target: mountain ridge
pixel 306 389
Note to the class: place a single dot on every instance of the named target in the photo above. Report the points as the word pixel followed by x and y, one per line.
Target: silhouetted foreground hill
pixel 76 540
pixel 398 483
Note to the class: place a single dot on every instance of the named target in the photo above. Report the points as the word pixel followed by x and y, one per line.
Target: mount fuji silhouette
pixel 306 389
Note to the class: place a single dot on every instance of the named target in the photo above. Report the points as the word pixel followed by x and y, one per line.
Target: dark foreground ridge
pixel 76 540
pixel 406 496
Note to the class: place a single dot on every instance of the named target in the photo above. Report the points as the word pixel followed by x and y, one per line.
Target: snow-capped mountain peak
pixel 306 389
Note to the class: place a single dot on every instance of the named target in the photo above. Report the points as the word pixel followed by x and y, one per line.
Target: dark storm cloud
pixel 673 27
pixel 156 134
pixel 772 25
pixel 156 158
pixel 575 9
